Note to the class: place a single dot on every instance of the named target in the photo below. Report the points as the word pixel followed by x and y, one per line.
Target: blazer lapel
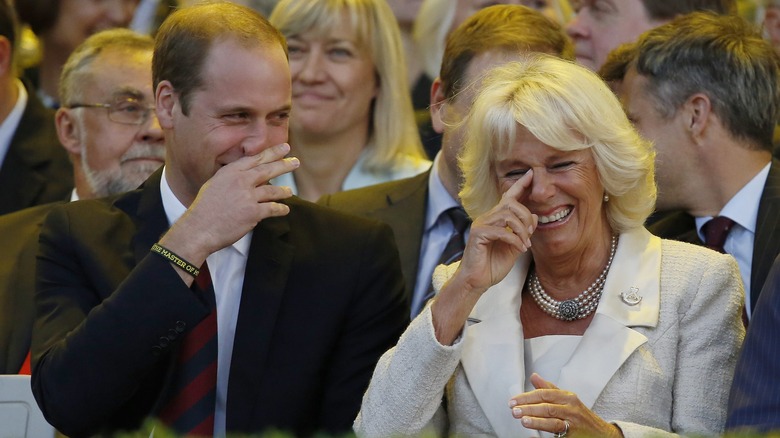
pixel 635 268
pixel 149 215
pixel 493 351
pixel 144 206
pixel 268 265
pixel 405 213
pixel 766 244
pixel 492 356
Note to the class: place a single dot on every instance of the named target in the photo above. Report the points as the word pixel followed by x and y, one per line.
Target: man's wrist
pixel 174 258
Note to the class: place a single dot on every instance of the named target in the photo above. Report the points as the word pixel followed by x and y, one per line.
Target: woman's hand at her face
pixel 497 238
pixel 495 241
pixel 554 410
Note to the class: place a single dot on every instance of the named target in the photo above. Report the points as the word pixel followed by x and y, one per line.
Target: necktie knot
pixel 453 251
pixel 460 220
pixel 715 232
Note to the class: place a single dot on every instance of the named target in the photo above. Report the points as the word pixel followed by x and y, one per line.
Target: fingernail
pixel 528 243
pixel 526 421
pixel 530 229
pixel 294 161
pixel 512 403
pixel 517 412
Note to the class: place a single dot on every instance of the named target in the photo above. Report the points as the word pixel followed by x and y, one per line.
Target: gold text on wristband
pixel 175 259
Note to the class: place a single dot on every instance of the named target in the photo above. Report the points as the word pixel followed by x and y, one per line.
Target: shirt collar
pixel 742 208
pixel 174 209
pixel 439 199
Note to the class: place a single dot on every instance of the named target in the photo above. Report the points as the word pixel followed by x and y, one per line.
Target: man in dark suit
pixel 713 135
pixel 33 167
pixel 755 394
pixel 415 207
pixel 113 146
pixel 280 329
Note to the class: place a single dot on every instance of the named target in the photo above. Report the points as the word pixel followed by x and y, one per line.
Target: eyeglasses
pixel 125 111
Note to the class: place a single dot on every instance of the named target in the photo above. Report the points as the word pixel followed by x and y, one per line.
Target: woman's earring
pixel 606 197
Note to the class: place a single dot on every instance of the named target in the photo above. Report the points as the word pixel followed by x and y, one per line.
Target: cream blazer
pixel 660 366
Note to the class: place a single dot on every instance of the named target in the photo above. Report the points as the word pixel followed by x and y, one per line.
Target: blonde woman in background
pixel 352 123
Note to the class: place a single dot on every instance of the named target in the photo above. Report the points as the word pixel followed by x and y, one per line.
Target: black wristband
pixel 175 259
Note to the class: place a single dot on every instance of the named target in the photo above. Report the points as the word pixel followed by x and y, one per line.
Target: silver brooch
pixel 632 297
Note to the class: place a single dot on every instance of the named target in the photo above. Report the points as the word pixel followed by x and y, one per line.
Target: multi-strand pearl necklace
pixel 576 308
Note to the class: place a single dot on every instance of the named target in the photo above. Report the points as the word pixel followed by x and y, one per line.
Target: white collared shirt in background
pixel 436 234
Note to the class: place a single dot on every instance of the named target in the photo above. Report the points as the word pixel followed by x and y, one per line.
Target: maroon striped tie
pixel 716 230
pixel 190 409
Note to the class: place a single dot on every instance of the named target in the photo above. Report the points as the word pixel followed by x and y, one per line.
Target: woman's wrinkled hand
pixel 498 237
pixel 550 409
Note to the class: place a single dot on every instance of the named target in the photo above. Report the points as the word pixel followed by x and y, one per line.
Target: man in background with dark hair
pixel 713 136
pixel 34 169
pixel 601 25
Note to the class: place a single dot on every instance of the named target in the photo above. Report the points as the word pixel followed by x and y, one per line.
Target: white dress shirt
pixel 227 267
pixel 743 210
pixel 436 234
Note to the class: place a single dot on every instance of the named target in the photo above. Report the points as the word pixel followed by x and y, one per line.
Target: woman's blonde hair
pixel 566 107
pixel 393 135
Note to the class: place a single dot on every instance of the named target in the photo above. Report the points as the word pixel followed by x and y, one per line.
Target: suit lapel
pixel 405 213
pixel 268 266
pixel 32 153
pixel 144 206
pixel 766 244
pixel 637 266
pixel 493 352
pixel 148 215
pixel 18 172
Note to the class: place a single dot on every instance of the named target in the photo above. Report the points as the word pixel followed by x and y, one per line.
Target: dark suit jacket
pixel 755 393
pixel 36 170
pixel 682 226
pixel 322 300
pixel 400 204
pixel 19 231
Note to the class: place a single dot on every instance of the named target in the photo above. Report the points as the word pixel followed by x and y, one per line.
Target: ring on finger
pixel 565 430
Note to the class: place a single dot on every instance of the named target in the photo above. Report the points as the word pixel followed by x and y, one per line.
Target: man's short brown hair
pixel 499 27
pixel 184 39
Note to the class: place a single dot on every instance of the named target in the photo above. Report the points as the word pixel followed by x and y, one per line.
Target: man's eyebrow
pixel 128 92
pixel 285 108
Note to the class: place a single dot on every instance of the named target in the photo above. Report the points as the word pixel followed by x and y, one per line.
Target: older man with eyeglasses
pixel 109 128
